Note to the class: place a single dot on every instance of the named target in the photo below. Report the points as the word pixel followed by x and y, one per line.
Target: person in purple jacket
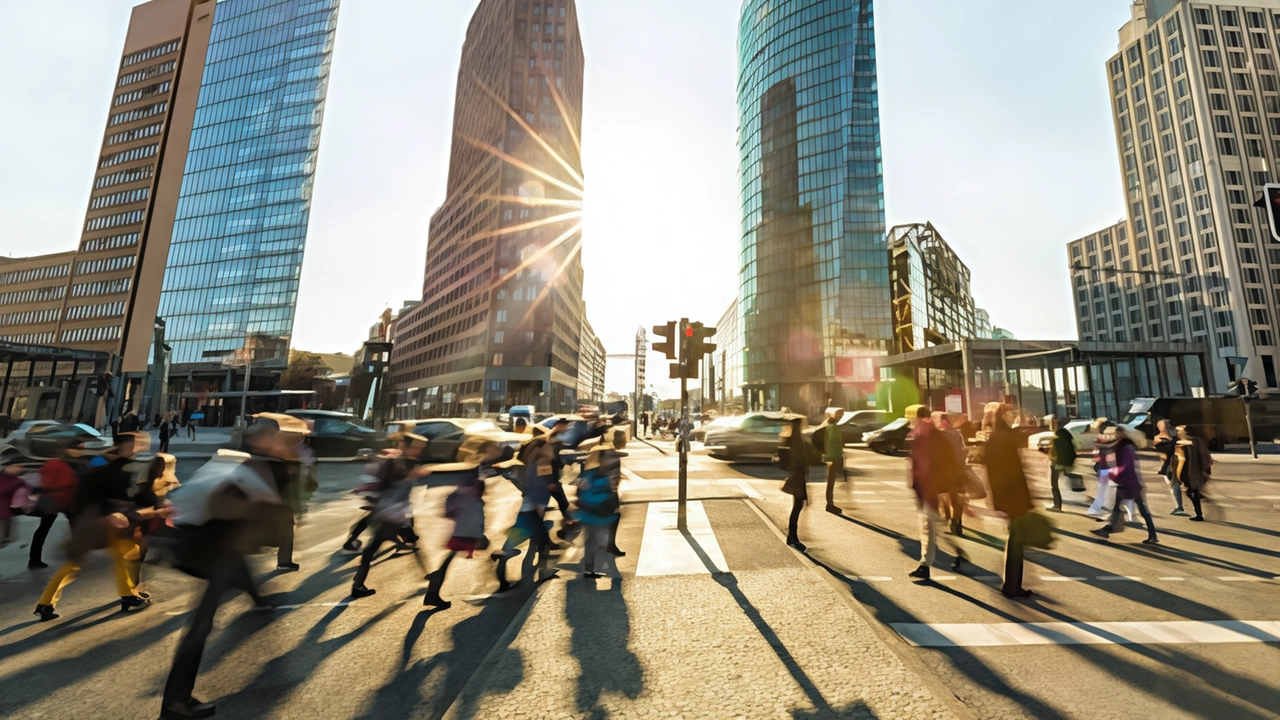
pixel 1124 473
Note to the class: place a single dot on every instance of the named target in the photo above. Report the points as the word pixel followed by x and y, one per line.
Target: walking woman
pixel 1166 445
pixel 1193 467
pixel 795 450
pixel 1128 486
pixel 1009 493
pixel 152 507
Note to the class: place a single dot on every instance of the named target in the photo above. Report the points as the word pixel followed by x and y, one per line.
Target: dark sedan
pixel 753 437
pixel 446 435
pixel 856 424
pixel 891 438
pixel 337 435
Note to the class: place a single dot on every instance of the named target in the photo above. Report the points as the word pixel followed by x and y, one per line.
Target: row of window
pixel 146 73
pixel 119 262
pixel 137 133
pixel 101 287
pixel 138 113
pixel 110 243
pixel 151 52
pixel 40 273
pixel 41 294
pixel 109 221
pixel 29 317
pixel 551 9
pixel 123 197
pixel 42 338
pixel 89 312
pixel 124 176
pixel 91 334
pixel 136 95
pixel 143 151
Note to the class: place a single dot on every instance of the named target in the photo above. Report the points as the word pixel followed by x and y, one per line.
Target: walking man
pixel 833 455
pixel 934 472
pixel 1062 457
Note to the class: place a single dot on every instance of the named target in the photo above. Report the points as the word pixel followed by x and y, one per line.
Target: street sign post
pixel 686 343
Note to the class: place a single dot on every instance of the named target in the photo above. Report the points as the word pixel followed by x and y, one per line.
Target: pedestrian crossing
pixel 942 635
pixel 666 550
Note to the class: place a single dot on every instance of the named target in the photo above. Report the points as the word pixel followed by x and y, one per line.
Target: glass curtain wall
pixel 236 256
pixel 814 267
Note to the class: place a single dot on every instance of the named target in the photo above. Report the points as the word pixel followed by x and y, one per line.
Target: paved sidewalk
pixel 769 638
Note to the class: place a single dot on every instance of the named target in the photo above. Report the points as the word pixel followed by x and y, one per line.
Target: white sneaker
pixel 1179 512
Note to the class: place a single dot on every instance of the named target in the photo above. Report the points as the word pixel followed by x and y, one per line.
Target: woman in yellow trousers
pixel 123 551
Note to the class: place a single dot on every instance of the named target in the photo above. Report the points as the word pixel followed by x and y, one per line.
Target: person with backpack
pixel 396 477
pixel 599 504
pixel 538 458
pixel 828 441
pixel 54 495
pixel 1062 457
pixel 1193 467
pixel 794 456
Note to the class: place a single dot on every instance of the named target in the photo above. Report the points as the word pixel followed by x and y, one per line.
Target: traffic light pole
pixel 683 443
pixel 1248 421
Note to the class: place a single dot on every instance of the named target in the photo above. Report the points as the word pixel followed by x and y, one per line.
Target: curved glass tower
pixel 814 265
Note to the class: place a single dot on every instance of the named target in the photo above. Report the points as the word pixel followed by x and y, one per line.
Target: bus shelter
pixel 51 383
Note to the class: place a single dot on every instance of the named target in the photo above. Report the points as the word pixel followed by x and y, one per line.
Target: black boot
pixel 45 613
pixel 132 602
pixel 191 708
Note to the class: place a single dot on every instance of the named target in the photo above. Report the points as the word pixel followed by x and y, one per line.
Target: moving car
pixel 336 434
pixel 891 438
pixel 753 436
pixel 858 423
pixel 582 435
pixel 44 439
pixel 1083 434
pixel 446 435
pixel 700 432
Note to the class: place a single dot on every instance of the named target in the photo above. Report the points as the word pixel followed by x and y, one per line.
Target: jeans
pixel 594 539
pixel 1175 489
pixel 42 532
pixel 1055 474
pixel 1013 552
pixel 1114 523
pixel 929 535
pixel 227 570
pixel 797 504
pixel 386 532
pixel 835 470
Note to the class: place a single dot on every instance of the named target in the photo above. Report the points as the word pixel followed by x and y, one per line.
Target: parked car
pixel 43 439
pixel 754 436
pixel 336 434
pixel 891 438
pixel 446 435
pixel 1083 434
pixel 853 425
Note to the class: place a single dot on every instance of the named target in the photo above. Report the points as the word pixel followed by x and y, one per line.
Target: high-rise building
pixel 932 300
pixel 814 290
pixel 502 313
pixel 235 256
pixel 202 189
pixel 1196 101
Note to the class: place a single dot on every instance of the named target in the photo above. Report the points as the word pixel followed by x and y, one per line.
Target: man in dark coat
pixel 797 452
pixel 1009 492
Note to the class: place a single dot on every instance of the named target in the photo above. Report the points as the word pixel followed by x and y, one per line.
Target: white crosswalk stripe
pixel 1082 633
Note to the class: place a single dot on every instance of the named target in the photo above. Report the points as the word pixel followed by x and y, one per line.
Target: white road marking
pixel 1241 578
pixel 628 474
pixel 873 578
pixel 1060 578
pixel 1118 577
pixel 664 549
pixel 750 491
pixel 1079 633
pixel 1172 579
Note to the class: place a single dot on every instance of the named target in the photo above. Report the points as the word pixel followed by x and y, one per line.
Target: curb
pixel 473 687
pixel 891 641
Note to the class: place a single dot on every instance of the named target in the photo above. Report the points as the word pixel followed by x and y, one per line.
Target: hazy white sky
pixel 995 120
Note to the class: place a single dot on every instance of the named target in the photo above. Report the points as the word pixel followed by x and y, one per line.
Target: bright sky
pixel 995 120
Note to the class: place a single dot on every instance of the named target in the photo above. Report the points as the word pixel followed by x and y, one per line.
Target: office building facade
pixel 1195 92
pixel 814 275
pixel 235 257
pixel 932 300
pixel 502 313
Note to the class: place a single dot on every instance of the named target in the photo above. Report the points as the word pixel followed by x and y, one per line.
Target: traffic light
pixel 698 345
pixel 1271 198
pixel 668 334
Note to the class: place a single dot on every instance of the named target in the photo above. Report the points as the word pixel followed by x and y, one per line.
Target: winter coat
pixel 935 469
pixel 1124 473
pixel 596 498
pixel 1009 493
pixel 465 507
pixel 9 484
pixel 798 474
pixel 1062 448
pixel 1194 463
pixel 225 488
pixel 1167 447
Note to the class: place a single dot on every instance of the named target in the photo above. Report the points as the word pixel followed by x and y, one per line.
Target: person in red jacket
pixel 56 493
pixel 935 471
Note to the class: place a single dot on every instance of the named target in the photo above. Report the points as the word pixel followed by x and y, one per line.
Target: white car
pixel 1084 435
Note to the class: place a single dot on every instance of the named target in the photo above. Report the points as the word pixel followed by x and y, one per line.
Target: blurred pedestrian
pixel 396 476
pixel 151 499
pixel 796 453
pixel 13 488
pixel 644 424
pixel 832 454
pixel 1128 482
pixel 1009 492
pixel 1062 458
pixel 101 515
pixel 226 511
pixel 598 500
pixel 537 459
pixel 55 495
pixel 465 507
pixel 951 506
pixel 273 441
pixel 1166 445
pixel 1194 466
pixel 935 472
pixel 165 434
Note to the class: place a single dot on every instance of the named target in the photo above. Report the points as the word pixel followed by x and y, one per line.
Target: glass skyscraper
pixel 231 281
pixel 814 293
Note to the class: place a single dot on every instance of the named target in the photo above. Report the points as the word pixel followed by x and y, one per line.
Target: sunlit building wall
pixel 814 291
pixel 502 313
pixel 932 300
pixel 1195 93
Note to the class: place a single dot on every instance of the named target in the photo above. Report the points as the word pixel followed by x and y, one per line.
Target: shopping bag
pixel 1105 497
pixel 1036 530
